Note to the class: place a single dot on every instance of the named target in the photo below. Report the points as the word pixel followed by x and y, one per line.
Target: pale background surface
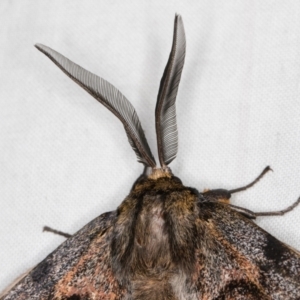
pixel 64 159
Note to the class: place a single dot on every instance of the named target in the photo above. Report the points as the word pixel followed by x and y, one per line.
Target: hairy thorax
pixel 154 238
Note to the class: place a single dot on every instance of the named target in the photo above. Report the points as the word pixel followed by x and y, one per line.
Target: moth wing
pixel 239 260
pixel 78 269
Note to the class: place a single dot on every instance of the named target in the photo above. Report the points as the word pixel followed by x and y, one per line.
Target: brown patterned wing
pixel 239 260
pixel 79 269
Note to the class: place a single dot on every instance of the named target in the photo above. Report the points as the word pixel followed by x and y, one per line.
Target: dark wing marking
pixel 78 269
pixel 111 98
pixel 237 258
pixel 165 112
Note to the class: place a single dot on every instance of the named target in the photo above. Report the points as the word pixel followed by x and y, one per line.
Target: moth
pixel 165 240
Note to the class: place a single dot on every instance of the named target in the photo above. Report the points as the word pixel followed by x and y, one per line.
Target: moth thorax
pixel 160 172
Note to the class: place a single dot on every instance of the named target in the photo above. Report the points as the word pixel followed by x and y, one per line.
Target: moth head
pixel 116 102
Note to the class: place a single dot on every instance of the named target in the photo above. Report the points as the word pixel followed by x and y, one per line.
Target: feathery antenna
pixel 111 98
pixel 165 112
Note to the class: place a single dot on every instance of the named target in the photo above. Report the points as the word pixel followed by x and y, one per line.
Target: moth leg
pixel 222 195
pixel 252 215
pixel 279 212
pixel 48 229
pixel 219 195
pixel 244 211
pixel 259 177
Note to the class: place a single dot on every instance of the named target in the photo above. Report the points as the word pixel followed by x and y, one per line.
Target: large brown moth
pixel 165 240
